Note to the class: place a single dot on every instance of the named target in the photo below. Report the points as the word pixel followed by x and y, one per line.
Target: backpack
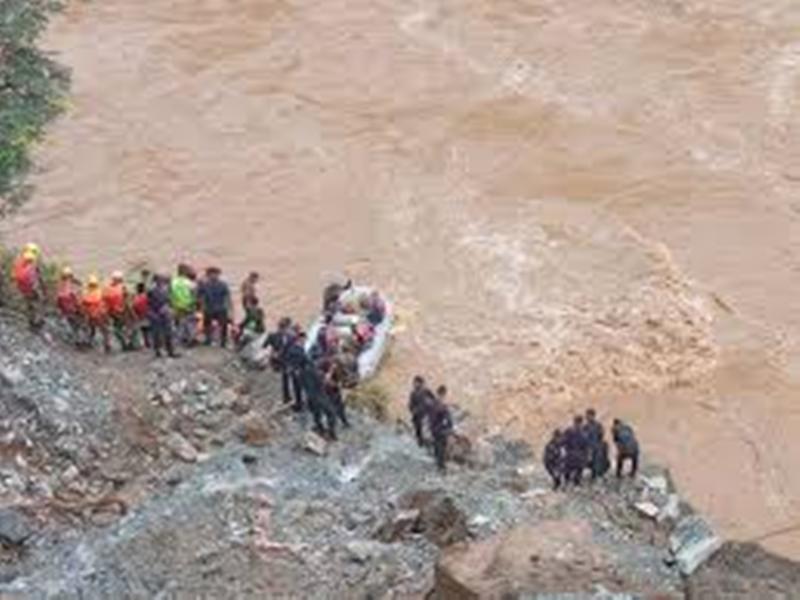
pixel 25 276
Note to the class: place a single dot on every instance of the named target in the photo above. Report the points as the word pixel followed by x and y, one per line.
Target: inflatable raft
pixel 369 360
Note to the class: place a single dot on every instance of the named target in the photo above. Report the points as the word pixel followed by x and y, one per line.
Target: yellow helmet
pixel 93 281
pixel 66 272
pixel 117 276
pixel 29 256
pixel 32 248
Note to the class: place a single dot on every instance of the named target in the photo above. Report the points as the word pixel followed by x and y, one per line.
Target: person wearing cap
pixel 115 297
pixel 160 316
pixel 68 301
pixel 95 312
pixel 215 301
pixel 30 284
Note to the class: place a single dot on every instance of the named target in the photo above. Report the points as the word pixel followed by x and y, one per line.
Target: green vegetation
pixel 32 91
pixel 372 398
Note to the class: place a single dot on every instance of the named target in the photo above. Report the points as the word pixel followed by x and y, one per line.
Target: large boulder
pixel 744 572
pixel 15 526
pixel 552 559
pixel 692 542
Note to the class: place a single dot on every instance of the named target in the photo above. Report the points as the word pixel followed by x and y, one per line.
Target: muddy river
pixel 572 203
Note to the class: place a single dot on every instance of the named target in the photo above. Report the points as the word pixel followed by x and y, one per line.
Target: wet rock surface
pixel 125 477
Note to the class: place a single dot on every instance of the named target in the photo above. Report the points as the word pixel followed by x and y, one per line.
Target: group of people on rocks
pixel 153 312
pixel 570 453
pixel 308 381
pixel 314 373
pixel 159 309
pixel 430 409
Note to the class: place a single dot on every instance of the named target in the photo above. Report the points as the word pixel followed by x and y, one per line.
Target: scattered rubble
pixel 191 479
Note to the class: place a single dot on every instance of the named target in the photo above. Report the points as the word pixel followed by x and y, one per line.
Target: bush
pixel 32 91
pixel 372 398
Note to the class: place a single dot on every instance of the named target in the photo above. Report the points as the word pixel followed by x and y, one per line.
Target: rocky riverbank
pixel 129 478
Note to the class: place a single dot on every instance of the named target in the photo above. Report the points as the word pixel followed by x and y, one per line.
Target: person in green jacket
pixel 183 300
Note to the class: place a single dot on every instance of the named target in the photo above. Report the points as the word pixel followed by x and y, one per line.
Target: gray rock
pixel 70 474
pixel 181 447
pixel 692 543
pixel 11 375
pixel 647 509
pixel 224 399
pixel 15 527
pixel 315 444
pixel 363 551
pixel 399 526
pixel 656 483
pixel 671 510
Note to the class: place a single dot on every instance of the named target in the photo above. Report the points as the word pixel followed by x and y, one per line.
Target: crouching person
pixel 554 459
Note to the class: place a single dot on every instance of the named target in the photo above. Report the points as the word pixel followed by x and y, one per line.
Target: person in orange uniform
pixel 115 297
pixel 68 301
pixel 94 310
pixel 28 278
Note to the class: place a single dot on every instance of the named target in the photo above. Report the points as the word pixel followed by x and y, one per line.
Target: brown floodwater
pixel 570 202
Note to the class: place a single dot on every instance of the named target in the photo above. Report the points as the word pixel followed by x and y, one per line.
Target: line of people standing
pixel 155 312
pixel 570 453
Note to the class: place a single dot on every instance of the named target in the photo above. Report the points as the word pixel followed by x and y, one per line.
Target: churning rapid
pixel 570 202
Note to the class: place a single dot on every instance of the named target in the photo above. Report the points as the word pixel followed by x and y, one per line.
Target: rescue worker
pixel 115 297
pixel 183 301
pixel 333 390
pixel 30 284
pixel 252 325
pixel 318 403
pixel 441 425
pixel 249 291
pixel 96 313
pixel 593 431
pixel 215 301
pixel 554 458
pixel 68 302
pixel 140 310
pixel 600 462
pixel 294 357
pixel 160 316
pixel 330 296
pixel 419 404
pixel 627 446
pixel 576 452
pixel 278 342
